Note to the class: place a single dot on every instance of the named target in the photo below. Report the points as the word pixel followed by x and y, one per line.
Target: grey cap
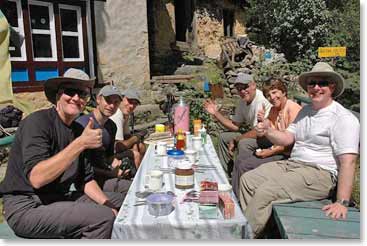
pixel 132 93
pixel 243 78
pixel 109 90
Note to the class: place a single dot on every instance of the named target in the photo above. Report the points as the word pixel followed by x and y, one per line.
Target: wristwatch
pixel 343 202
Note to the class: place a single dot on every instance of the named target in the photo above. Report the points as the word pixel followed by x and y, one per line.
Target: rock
pixel 189 70
pixel 212 51
pixel 232 80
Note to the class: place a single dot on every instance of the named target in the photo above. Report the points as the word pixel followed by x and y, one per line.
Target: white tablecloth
pixel 135 222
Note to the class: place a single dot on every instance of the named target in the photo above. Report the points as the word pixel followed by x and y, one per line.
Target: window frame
pixel 79 34
pixel 20 30
pixel 51 32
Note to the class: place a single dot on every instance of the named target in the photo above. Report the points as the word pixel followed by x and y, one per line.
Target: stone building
pixel 122 41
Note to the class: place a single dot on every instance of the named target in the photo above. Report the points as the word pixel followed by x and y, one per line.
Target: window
pixel 43 31
pixel 71 32
pixel 15 19
pixel 228 20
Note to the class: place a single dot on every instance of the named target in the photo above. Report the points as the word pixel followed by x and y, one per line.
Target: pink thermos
pixel 181 116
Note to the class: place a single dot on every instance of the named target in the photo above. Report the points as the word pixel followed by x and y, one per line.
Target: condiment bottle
pixel 197 126
pixel 184 176
pixel 180 140
pixel 203 134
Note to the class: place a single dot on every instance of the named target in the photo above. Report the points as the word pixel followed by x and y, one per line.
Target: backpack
pixel 10 116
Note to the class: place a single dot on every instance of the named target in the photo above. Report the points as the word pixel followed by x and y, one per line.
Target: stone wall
pixel 122 42
pixel 209 25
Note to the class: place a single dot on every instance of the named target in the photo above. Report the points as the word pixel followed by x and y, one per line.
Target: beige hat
pixel 71 77
pixel 322 69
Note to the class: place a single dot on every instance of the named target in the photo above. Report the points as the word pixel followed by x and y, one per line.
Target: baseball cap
pixel 109 90
pixel 131 93
pixel 244 78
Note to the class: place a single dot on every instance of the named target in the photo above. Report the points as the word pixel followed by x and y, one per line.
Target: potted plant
pixel 215 79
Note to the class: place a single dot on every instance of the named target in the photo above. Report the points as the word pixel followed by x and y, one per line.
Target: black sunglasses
pixel 73 91
pixel 321 83
pixel 240 87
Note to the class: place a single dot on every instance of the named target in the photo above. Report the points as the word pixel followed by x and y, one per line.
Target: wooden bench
pixel 306 220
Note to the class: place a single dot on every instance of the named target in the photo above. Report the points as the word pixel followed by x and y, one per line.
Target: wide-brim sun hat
pixel 70 78
pixel 322 69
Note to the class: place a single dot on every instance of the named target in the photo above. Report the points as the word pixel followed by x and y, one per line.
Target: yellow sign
pixel 332 51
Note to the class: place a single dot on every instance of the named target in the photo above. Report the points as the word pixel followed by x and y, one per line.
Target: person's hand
pixel 116 163
pixel 141 134
pixel 231 147
pixel 335 211
pixel 114 211
pixel 264 153
pixel 91 138
pixel 261 114
pixel 210 106
pixel 262 127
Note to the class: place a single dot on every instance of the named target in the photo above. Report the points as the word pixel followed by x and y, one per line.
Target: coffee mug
pixel 191 155
pixel 161 148
pixel 154 180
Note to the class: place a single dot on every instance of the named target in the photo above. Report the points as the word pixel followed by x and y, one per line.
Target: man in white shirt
pixel 252 100
pixel 124 139
pixel 326 145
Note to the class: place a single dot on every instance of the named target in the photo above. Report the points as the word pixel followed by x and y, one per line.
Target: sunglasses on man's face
pixel 71 92
pixel 240 87
pixel 321 83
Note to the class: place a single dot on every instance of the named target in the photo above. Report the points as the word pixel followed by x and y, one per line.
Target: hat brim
pixel 336 78
pixel 51 86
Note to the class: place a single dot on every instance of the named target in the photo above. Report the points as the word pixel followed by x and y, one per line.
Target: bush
pixel 295 28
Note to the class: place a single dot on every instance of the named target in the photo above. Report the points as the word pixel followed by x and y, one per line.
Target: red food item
pixel 208 197
pixel 208 185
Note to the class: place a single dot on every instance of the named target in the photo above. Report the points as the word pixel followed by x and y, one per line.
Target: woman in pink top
pixel 254 152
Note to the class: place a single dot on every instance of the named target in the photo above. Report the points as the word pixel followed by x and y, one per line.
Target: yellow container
pixel 197 126
pixel 160 128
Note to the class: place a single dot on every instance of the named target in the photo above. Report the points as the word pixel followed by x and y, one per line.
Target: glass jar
pixel 175 156
pixel 184 176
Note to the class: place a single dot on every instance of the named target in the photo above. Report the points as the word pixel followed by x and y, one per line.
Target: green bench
pixel 306 220
pixel 6 232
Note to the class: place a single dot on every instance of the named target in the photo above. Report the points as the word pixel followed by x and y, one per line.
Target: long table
pixel 135 222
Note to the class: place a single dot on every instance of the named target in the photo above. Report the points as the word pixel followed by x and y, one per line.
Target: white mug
pixel 154 180
pixel 197 143
pixel 161 148
pixel 190 155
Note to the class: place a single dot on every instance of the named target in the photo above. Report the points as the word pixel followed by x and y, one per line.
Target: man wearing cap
pixel 46 158
pixel 326 144
pixel 105 162
pixel 246 111
pixel 124 139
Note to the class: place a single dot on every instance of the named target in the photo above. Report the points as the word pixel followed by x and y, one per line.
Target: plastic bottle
pixel 197 127
pixel 181 115
pixel 180 140
pixel 203 134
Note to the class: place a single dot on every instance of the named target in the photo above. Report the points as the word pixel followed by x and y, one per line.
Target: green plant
pixel 213 73
pixel 295 28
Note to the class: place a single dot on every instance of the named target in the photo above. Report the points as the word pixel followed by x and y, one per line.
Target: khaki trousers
pixel 280 182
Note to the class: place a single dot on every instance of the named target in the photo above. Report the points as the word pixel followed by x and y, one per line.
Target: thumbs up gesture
pixel 92 138
pixel 261 113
